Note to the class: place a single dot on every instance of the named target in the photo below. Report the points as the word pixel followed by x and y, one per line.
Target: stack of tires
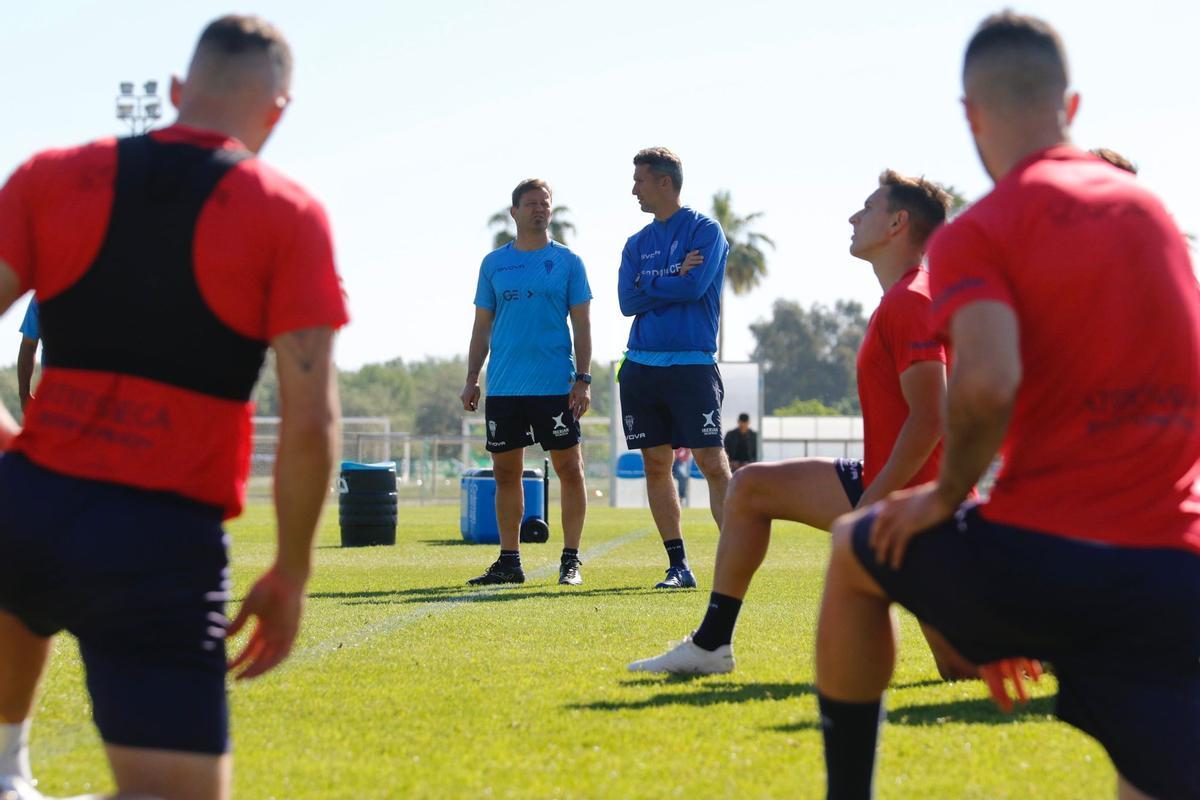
pixel 367 503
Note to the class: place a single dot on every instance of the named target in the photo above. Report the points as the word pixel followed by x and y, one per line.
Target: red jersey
pixel 899 335
pixel 263 266
pixel 1104 442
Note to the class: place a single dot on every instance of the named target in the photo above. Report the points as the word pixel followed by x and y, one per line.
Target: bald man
pixel 164 265
pixel 1068 298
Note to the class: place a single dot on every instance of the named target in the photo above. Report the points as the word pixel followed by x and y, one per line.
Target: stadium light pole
pixel 139 111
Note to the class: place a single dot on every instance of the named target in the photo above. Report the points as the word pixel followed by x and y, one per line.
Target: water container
pixel 367 503
pixel 477 503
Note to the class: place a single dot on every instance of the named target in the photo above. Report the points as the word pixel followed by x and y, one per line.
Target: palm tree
pixel 560 226
pixel 746 264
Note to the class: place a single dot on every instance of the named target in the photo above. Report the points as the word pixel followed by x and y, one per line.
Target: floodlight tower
pixel 139 111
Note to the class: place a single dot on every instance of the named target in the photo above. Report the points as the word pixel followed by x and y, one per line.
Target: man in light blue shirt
pixel 526 291
pixel 672 273
pixel 31 332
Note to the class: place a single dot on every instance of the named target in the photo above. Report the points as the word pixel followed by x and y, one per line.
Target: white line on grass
pixel 383 627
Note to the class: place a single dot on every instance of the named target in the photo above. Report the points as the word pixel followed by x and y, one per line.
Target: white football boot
pixel 688 659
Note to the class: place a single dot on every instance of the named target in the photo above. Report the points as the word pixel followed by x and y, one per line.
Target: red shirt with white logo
pixel 1104 442
pixel 263 260
pixel 899 335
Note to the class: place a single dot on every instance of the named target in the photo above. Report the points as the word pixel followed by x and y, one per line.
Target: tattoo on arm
pixel 302 347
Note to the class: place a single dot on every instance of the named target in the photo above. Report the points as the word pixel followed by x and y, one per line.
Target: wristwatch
pixel 586 377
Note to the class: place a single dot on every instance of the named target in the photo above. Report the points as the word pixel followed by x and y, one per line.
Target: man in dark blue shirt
pixel 672 272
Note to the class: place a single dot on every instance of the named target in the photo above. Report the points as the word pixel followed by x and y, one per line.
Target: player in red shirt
pixel 164 265
pixel 901 387
pixel 1069 299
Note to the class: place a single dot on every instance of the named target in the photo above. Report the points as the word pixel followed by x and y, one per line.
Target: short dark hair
pixel 528 185
pixel 238 34
pixel 1026 57
pixel 662 161
pixel 926 203
pixel 1116 159
pixel 743 417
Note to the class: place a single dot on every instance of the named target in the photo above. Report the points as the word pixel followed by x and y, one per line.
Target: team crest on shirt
pixel 708 427
pixel 491 429
pixel 629 422
pixel 674 247
pixel 549 265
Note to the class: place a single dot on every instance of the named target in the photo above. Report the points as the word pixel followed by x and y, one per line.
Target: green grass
pixel 401 687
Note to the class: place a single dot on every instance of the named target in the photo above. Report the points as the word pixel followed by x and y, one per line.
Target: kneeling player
pixel 901 386
pixel 1069 298
pixel 526 290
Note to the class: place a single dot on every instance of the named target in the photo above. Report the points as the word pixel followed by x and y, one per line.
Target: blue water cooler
pixel 477 506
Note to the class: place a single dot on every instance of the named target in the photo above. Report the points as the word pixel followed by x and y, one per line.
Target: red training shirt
pixel 264 263
pixel 1104 442
pixel 899 335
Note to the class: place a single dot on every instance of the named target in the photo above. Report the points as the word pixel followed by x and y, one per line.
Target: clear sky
pixel 412 122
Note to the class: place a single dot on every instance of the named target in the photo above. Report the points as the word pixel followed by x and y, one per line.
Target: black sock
pixel 851 731
pixel 570 554
pixel 675 552
pixel 510 559
pixel 717 627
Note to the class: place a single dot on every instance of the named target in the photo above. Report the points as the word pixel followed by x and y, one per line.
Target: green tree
pixel 810 354
pixel 746 265
pixel 958 201
pixel 560 226
pixel 806 408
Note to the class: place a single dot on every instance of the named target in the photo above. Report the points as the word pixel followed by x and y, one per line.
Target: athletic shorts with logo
pixel 678 405
pixel 1121 625
pixel 850 473
pixel 140 578
pixel 524 420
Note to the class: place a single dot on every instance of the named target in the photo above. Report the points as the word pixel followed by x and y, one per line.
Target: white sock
pixel 14 750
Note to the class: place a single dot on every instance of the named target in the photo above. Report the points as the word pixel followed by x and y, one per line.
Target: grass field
pixel 406 683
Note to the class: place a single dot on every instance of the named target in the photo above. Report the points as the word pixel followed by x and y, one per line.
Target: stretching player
pixel 164 266
pixel 526 291
pixel 671 391
pixel 1069 299
pixel 901 386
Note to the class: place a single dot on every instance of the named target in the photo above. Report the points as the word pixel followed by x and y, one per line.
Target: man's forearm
pixel 25 358
pixel 303 465
pixel 975 431
pixel 583 345
pixel 477 353
pixel 915 442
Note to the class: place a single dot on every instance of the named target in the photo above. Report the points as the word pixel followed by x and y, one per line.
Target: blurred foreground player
pixel 1070 303
pixel 187 257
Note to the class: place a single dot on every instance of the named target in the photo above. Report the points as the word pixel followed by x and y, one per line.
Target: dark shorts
pixel 679 406
pixel 850 472
pixel 1120 625
pixel 521 421
pixel 140 579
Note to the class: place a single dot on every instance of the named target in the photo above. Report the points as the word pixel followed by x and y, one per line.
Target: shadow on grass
pixel 706 694
pixel 459 593
pixel 448 542
pixel 981 711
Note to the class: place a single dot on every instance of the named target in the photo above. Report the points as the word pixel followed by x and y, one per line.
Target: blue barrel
pixel 367 503
pixel 477 503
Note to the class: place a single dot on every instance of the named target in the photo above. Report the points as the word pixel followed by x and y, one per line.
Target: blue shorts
pixel 1121 626
pixel 850 472
pixel 140 579
pixel 678 405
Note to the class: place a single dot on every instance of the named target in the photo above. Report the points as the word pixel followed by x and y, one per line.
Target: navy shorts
pixel 1121 626
pixel 521 421
pixel 140 579
pixel 850 472
pixel 679 405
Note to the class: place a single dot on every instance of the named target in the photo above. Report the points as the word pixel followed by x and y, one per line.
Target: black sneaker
pixel 568 572
pixel 677 578
pixel 498 573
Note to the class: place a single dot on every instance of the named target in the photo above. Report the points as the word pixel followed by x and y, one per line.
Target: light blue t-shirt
pixel 531 293
pixel 30 328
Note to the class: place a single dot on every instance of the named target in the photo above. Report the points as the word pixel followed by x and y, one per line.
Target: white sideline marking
pixel 383 627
